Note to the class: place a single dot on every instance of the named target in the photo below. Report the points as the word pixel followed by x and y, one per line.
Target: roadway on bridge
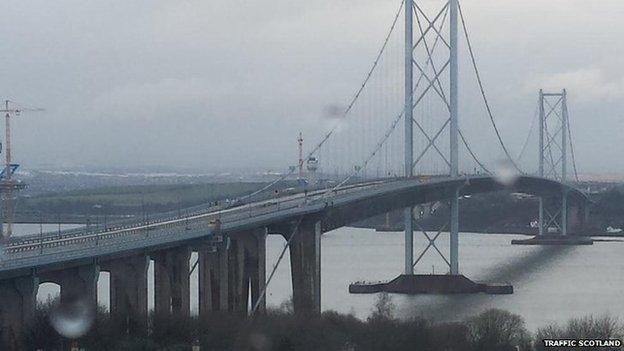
pixel 35 251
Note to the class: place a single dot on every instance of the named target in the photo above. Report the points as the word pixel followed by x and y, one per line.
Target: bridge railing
pixel 198 219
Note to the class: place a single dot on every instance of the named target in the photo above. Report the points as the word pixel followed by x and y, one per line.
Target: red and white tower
pixel 300 141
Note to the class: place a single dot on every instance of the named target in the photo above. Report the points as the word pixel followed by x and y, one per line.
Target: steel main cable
pixel 485 100
pixel 474 157
pixel 394 123
pixel 377 59
pixel 526 141
pixel 441 91
pixel 345 113
pixel 571 144
pixel 370 157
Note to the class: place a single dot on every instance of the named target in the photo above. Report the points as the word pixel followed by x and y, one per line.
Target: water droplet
pixel 73 319
pixel 333 111
pixel 505 173
pixel 334 118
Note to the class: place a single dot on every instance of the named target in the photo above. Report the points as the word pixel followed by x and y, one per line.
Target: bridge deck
pixel 23 254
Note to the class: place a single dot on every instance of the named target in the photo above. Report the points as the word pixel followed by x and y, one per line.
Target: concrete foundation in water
pixel 554 239
pixel 430 284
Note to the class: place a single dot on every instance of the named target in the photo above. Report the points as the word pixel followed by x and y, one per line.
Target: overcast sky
pixel 216 84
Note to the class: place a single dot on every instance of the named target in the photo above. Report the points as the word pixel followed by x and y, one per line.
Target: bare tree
pixel 590 327
pixel 498 330
pixel 384 308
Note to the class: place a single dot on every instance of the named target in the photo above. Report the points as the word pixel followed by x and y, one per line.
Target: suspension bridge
pixel 398 144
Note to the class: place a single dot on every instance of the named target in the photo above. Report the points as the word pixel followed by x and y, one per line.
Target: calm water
pixel 551 284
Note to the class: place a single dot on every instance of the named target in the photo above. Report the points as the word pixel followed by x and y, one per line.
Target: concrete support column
pixel 171 281
pixel 205 278
pixel 223 277
pixel 454 234
pixel 18 298
pixel 79 283
pixel 305 263
pixel 247 261
pixel 78 286
pixel 213 278
pixel 257 268
pixel 237 296
pixel 577 218
pixel 227 275
pixel 128 293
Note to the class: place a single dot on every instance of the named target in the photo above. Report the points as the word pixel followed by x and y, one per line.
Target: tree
pixel 605 327
pixel 497 330
pixel 384 308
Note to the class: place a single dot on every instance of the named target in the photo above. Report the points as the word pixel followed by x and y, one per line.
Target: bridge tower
pixel 409 134
pixel 451 101
pixel 553 156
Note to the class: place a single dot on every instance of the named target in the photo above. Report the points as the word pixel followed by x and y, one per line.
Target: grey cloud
pixel 226 83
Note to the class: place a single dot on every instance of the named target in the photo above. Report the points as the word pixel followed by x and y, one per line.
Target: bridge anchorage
pixel 559 221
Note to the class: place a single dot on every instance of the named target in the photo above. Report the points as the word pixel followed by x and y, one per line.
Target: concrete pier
pixel 77 283
pixel 554 239
pixel 576 222
pixel 221 282
pixel 171 281
pixel 247 262
pixel 237 296
pixel 207 279
pixel 578 218
pixel 18 298
pixel 436 284
pixel 128 293
pixel 257 267
pixel 305 264
pixel 213 278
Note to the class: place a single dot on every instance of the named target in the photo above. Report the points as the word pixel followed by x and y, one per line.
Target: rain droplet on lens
pixel 333 118
pixel 505 173
pixel 333 111
pixel 72 319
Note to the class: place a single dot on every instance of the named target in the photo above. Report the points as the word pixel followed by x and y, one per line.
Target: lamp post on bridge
pixel 97 234
pixel 99 208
